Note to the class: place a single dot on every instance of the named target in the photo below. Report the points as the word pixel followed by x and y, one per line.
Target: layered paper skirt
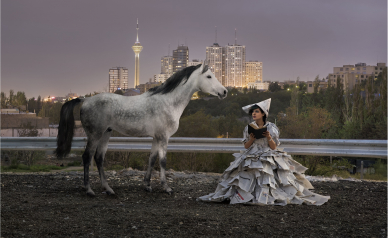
pixel 265 178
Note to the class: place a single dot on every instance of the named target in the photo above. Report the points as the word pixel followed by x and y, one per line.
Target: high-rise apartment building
pixel 214 60
pixel 194 62
pixel 166 65
pixel 118 79
pixel 234 65
pixel 253 72
pixel 161 77
pixel 137 48
pixel 352 74
pixel 180 57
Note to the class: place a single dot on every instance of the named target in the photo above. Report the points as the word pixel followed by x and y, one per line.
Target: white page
pixel 246 180
pixel 262 194
pixel 241 196
pixel 283 165
pixel 267 168
pixel 256 164
pixel 282 174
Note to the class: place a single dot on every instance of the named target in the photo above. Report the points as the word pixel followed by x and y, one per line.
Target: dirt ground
pixel 56 205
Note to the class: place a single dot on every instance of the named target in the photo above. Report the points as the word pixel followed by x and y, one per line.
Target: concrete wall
pixel 17 120
pixel 45 132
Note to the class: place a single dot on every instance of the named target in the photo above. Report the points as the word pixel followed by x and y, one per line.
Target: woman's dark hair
pixel 255 107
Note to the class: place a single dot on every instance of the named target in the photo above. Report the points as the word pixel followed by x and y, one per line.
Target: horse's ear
pixel 205 67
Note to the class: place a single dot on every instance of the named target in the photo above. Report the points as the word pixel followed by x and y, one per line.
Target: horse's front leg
pixel 151 163
pixel 162 163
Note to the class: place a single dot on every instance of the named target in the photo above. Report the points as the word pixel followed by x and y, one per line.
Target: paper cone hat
pixel 264 105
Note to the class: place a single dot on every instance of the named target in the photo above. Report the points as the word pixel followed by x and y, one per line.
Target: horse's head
pixel 208 83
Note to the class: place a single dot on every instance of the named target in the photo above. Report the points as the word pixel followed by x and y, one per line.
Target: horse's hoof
pixel 148 189
pixel 109 192
pixel 90 194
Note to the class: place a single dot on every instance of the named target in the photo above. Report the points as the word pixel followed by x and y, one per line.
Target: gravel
pixel 55 205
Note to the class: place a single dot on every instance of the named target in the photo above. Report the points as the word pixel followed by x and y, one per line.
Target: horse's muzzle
pixel 222 96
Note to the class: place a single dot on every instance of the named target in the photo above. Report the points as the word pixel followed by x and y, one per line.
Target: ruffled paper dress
pixel 262 176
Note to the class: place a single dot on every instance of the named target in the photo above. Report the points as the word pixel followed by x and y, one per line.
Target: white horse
pixel 155 113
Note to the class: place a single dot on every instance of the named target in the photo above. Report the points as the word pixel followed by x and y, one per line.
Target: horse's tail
pixel 66 128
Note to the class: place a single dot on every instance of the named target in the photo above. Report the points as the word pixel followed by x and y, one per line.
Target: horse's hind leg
pixel 87 158
pixel 162 163
pixel 99 158
pixel 151 163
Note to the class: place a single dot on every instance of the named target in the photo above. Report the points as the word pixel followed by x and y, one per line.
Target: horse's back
pixel 122 113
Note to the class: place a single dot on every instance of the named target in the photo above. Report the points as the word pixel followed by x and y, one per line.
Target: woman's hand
pixel 252 137
pixel 268 135
pixel 250 142
pixel 271 143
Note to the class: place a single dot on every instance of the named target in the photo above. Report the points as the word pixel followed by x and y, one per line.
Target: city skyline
pixel 52 48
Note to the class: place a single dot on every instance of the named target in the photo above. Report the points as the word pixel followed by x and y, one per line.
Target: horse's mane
pixel 173 81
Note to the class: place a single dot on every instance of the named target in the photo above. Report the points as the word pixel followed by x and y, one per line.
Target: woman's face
pixel 257 115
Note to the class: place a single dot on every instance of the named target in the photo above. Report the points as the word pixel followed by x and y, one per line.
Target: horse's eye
pixel 209 77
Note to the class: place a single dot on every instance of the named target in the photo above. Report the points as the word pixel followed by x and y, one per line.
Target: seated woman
pixel 263 175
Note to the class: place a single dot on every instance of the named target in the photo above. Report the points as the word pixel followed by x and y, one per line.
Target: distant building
pixel 118 79
pixel 132 92
pixel 9 110
pixel 323 84
pixel 258 85
pixel 147 86
pixel 71 95
pixel 161 78
pixel 214 56
pixel 166 65
pixel 253 72
pixel 234 65
pixel 59 99
pixel 180 58
pixel 353 74
pixel 194 62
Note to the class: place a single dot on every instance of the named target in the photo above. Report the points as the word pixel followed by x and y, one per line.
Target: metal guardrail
pixel 327 147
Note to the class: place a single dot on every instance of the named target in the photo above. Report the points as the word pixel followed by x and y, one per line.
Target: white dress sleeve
pixel 274 131
pixel 245 135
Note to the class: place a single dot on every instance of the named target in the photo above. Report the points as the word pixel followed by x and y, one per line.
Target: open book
pixel 252 128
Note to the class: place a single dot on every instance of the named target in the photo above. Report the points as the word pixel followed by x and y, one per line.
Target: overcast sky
pixel 52 47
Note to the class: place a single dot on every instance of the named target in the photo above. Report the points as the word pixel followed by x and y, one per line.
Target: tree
pixel 4 100
pixel 31 105
pixel 20 100
pixel 313 123
pixel 55 113
pixel 233 92
pixel 302 86
pixel 28 130
pixel 316 84
pixel 11 97
pixel 38 105
pixel 44 112
pixel 119 92
pixel 229 126
pixel 274 87
pixel 201 94
pixel 294 103
pixel 196 125
pixel 245 90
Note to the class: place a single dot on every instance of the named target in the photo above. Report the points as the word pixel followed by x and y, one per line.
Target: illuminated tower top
pixel 137 48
